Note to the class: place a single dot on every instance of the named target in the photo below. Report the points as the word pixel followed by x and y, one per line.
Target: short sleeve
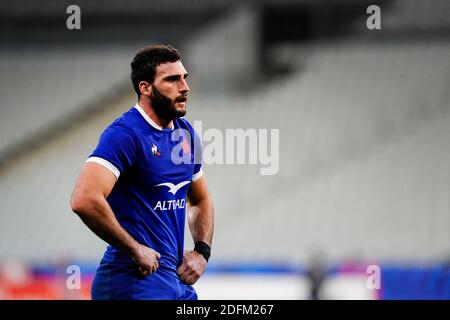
pixel 198 171
pixel 116 149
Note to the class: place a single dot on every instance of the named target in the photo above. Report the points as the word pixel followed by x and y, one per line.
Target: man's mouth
pixel 181 99
pixel 181 102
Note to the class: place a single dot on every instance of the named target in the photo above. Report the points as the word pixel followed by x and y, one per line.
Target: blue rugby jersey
pixel 149 197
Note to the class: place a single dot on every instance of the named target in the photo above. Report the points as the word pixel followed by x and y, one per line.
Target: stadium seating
pixel 41 87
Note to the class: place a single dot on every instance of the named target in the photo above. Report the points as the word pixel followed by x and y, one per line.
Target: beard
pixel 164 107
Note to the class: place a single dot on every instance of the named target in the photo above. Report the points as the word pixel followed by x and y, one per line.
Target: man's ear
pixel 145 88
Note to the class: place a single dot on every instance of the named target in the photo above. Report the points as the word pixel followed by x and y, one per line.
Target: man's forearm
pixel 201 221
pixel 99 217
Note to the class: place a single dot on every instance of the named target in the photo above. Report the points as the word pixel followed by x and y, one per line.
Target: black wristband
pixel 203 249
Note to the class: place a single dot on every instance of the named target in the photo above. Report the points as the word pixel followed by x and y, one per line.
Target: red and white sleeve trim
pixel 108 165
pixel 197 176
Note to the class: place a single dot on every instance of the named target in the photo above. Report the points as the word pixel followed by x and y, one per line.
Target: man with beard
pixel 132 194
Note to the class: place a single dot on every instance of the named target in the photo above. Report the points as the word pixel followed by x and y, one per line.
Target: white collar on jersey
pixel 148 119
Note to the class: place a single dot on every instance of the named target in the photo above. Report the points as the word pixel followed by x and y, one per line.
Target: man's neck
pixel 148 109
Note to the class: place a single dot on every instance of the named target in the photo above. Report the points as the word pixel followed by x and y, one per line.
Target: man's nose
pixel 184 88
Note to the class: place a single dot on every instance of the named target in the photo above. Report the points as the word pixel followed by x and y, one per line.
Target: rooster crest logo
pixel 155 151
pixel 186 147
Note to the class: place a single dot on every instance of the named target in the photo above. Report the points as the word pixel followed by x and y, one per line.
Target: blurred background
pixel 364 153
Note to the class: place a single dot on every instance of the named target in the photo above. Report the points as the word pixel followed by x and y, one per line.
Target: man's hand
pixel 192 268
pixel 146 259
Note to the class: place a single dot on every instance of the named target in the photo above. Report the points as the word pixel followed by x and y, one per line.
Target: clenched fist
pixel 146 259
pixel 192 268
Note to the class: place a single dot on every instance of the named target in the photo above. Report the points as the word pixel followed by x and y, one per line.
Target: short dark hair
pixel 147 59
